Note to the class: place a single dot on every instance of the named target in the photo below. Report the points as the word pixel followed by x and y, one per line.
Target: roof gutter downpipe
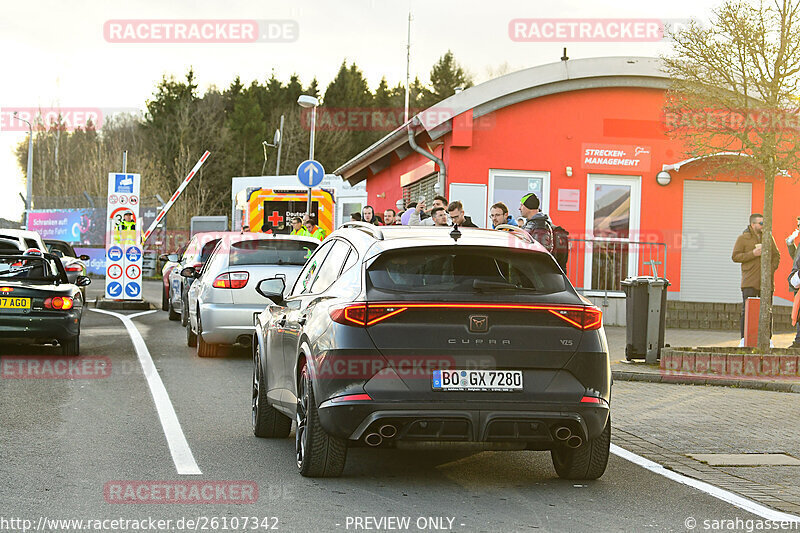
pixel 414 146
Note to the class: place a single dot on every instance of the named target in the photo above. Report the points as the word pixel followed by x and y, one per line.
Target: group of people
pixel 748 250
pixel 442 213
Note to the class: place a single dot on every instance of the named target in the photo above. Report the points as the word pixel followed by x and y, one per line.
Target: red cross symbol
pixel 274 218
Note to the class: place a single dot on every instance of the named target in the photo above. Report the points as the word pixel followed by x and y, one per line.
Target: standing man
pixel 536 222
pixel 314 230
pixel 416 217
pixel 498 214
pixel 439 216
pixel 456 212
pixel 298 228
pixel 747 251
pixel 389 217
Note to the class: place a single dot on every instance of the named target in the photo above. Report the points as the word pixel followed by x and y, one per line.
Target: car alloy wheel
pixel 318 454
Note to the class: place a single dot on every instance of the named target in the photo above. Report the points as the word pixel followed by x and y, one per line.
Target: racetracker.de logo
pixel 55 367
pixel 592 30
pixel 45 118
pixel 200 31
pixel 181 492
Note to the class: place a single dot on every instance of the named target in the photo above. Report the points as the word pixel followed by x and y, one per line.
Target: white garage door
pixel 714 215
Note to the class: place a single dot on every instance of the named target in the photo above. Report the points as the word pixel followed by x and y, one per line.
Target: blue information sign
pixel 115 253
pixel 133 254
pixel 132 289
pixel 310 173
pixel 114 289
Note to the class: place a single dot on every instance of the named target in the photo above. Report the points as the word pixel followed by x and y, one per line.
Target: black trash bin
pixel 645 317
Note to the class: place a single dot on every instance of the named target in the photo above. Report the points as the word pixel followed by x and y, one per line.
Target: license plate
pixel 14 303
pixel 478 380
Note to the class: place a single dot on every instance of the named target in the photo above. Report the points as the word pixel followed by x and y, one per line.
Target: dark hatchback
pixel 400 336
pixel 37 302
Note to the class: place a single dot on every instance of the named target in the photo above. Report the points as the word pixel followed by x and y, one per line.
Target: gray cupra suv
pixel 403 337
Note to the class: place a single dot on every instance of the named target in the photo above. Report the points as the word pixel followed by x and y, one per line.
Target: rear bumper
pixel 533 423
pixel 224 323
pixel 40 325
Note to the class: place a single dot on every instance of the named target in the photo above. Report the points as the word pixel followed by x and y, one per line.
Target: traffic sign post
pixel 310 173
pixel 123 230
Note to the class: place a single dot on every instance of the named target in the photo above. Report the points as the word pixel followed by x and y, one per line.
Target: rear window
pixel 270 252
pixel 465 271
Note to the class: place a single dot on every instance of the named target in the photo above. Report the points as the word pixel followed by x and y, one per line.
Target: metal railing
pixel 612 260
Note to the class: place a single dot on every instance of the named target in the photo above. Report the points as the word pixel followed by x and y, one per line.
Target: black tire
pixel 164 298
pixel 587 461
pixel 172 314
pixel 318 454
pixel 71 346
pixel 204 349
pixel 266 420
pixel 191 337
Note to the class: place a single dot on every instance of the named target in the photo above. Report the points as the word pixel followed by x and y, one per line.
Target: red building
pixel 588 137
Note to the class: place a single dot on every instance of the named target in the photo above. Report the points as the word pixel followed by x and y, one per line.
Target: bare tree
pixel 733 96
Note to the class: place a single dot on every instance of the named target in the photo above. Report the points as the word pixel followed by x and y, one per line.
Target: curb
pixel 649 377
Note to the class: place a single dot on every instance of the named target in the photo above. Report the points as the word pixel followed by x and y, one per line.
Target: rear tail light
pixel 231 280
pixel 62 303
pixel 364 314
pixel 6 289
pixel 585 318
pixel 74 268
pixel 594 400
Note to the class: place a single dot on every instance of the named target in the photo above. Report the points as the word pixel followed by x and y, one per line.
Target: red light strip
pixel 384 317
pixel 352 398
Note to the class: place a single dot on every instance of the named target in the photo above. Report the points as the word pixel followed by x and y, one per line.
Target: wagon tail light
pixel 231 280
pixel 62 303
pixel 365 314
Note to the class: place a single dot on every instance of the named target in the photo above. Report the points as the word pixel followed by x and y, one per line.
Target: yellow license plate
pixel 14 303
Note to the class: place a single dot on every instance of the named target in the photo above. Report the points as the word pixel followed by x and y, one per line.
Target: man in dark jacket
pixel 747 251
pixel 536 222
pixel 457 216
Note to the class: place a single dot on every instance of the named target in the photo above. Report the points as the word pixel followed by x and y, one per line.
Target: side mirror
pixel 163 257
pixel 84 257
pixel 83 281
pixel 189 272
pixel 272 289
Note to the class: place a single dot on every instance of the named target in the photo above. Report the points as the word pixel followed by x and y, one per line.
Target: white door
pixel 714 214
pixel 509 186
pixel 473 197
pixel 612 221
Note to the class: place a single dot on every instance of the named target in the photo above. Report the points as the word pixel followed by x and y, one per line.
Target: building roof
pixel 534 82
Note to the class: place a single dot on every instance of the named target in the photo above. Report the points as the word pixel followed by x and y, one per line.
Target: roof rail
pixel 373 230
pixel 517 231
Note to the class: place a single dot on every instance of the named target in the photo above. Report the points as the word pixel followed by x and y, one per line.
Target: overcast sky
pixel 55 52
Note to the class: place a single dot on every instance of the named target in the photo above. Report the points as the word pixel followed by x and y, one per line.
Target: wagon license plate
pixel 478 380
pixel 7 302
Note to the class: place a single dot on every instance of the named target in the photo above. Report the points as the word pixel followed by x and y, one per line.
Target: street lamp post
pixel 29 176
pixel 309 101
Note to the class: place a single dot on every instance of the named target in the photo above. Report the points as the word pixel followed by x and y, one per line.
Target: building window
pixel 422 187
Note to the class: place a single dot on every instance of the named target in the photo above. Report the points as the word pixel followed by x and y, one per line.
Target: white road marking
pixel 721 494
pixel 178 446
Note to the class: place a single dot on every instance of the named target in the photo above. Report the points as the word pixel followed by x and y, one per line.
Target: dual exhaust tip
pixel 565 435
pixel 387 431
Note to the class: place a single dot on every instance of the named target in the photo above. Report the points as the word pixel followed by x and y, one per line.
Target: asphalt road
pixel 68 444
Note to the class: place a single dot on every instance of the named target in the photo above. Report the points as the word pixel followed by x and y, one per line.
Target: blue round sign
pixel 133 253
pixel 115 253
pixel 310 173
pixel 132 289
pixel 114 289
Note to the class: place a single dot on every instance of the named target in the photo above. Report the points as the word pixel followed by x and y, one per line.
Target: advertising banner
pixel 615 157
pixel 75 226
pixel 123 238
